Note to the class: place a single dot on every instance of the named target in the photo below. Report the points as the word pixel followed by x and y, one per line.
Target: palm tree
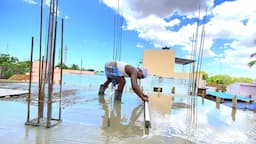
pixel 253 62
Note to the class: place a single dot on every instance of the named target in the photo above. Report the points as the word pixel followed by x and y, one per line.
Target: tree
pixel 6 58
pixel 23 67
pixel 11 65
pixel 226 80
pixel 205 75
pixel 63 66
pixel 74 67
pixel 253 62
pixel 220 79
pixel 7 62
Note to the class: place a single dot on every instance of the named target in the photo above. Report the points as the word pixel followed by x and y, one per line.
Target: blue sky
pixel 89 27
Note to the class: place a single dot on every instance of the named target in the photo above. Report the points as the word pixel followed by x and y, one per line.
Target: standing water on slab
pixel 89 118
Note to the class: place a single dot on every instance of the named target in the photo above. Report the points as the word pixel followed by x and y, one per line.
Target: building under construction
pixel 162 63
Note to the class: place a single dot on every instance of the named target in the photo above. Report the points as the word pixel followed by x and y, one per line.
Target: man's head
pixel 142 72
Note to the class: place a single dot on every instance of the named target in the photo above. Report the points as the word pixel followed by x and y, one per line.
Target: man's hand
pixel 144 98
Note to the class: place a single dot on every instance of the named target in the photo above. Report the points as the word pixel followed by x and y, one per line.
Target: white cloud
pixel 47 2
pixel 160 8
pixel 234 20
pixel 30 1
pixel 139 45
pixel 227 23
pixel 173 22
pixel 66 17
pixel 238 56
pixel 146 17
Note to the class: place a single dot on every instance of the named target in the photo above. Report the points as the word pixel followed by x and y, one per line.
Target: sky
pixel 230 33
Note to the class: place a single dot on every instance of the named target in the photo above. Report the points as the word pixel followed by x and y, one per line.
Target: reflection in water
pixel 114 124
pixel 179 105
pixel 161 103
pixel 199 123
pixel 217 105
pixel 218 100
pixel 164 107
pixel 39 135
pixel 202 100
pixel 233 113
pixel 191 117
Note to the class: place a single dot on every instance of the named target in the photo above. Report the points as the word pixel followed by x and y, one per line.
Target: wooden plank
pixel 11 92
pixel 226 96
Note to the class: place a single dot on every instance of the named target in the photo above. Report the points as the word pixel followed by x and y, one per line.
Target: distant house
pixel 35 72
pixel 243 89
pixel 57 73
pixel 162 63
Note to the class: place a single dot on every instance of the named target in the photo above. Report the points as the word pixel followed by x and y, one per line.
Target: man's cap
pixel 144 71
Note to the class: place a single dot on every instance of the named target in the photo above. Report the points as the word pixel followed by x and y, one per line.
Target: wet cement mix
pixel 89 118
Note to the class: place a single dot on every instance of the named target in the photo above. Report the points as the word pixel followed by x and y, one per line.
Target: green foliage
pixel 205 75
pixel 23 67
pixel 226 79
pixel 7 71
pixel 6 58
pixel 223 79
pixel 11 65
pixel 253 62
pixel 63 66
pixel 74 67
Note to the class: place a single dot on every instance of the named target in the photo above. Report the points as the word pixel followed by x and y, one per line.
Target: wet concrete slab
pixel 88 118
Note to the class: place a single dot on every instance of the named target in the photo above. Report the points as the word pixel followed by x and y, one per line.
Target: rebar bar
pixel 40 112
pixel 30 79
pixel 61 66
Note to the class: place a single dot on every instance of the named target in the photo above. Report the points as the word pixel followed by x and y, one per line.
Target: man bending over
pixel 116 72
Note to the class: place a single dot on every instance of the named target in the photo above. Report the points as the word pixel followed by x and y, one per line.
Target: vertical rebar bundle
pixel 47 70
pixel 196 53
pixel 117 31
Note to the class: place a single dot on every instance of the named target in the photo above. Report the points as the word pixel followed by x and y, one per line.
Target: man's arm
pixel 132 72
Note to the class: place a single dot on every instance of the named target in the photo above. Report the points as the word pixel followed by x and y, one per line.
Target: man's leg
pixel 104 86
pixel 119 91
